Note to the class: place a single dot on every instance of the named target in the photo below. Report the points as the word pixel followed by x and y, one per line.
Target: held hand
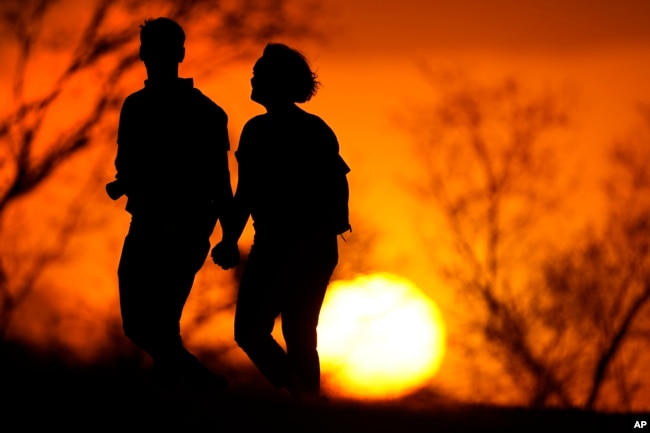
pixel 226 255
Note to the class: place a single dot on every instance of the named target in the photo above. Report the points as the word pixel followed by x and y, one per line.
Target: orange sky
pixel 505 25
pixel 370 67
pixel 370 64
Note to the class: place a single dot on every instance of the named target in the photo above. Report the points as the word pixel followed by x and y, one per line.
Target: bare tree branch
pixel 105 49
pixel 495 134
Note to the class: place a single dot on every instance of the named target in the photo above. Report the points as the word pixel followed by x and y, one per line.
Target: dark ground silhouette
pixel 41 391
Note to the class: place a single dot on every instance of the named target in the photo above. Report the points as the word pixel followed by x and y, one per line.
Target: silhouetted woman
pixel 292 182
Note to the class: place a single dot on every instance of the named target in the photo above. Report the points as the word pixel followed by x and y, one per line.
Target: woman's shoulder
pixel 318 125
pixel 313 118
pixel 255 126
pixel 256 121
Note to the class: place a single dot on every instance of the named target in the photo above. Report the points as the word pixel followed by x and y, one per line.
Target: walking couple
pixel 172 165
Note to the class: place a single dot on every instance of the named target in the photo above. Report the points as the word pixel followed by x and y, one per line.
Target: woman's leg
pixel 304 295
pixel 258 305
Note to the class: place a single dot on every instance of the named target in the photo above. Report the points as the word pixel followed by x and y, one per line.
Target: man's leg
pixel 185 254
pixel 156 276
pixel 141 300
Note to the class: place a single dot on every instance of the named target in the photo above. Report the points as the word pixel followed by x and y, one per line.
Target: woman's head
pixel 282 74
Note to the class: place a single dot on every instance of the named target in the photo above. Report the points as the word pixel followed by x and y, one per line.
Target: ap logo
pixel 640 424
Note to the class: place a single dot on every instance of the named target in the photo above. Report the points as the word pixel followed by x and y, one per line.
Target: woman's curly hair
pixel 290 71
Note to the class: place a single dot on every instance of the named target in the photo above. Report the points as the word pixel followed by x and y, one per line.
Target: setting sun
pixel 379 337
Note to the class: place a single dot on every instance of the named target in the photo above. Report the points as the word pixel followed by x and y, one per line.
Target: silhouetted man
pixel 172 165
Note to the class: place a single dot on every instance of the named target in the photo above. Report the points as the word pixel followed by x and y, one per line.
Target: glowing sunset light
pixel 379 337
pixel 498 154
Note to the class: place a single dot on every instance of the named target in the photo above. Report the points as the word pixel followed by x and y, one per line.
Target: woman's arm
pixel 234 223
pixel 234 219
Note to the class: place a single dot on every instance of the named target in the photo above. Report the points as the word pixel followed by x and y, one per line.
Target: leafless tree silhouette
pixel 566 322
pixel 57 45
pixel 602 284
pixel 489 167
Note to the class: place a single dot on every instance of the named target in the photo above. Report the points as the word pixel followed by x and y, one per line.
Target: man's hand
pixel 225 255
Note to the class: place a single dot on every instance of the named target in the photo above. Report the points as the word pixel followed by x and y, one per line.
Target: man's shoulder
pixel 197 98
pixel 135 98
pixel 132 108
pixel 207 104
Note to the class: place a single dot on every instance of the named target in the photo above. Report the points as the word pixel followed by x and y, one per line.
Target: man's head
pixel 162 42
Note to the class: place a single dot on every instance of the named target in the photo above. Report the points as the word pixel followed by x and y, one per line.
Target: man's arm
pixel 221 187
pixel 118 187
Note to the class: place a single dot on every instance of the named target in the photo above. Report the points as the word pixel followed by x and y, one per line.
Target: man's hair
pixel 291 71
pixel 162 35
